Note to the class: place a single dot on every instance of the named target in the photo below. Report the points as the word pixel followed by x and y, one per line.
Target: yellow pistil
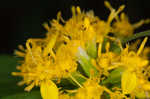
pixel 142 46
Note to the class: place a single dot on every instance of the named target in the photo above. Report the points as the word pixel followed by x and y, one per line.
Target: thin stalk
pixel 135 36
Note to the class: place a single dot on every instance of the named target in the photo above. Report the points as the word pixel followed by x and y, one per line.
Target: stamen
pixel 140 23
pixel 99 49
pixel 142 46
pixel 21 47
pixel 50 46
pixel 45 25
pixel 108 5
pixel 78 10
pixel 73 11
pixel 29 48
pixel 59 17
pixel 28 88
pixel 120 9
pixel 113 13
pixel 21 54
pixel 107 47
pixel 107 90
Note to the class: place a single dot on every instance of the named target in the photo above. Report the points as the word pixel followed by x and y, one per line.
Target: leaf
pixel 104 44
pixel 115 48
pixel 25 95
pixel 85 62
pixel 114 77
pixel 91 48
pixel 105 96
pixel 78 77
pixel 8 83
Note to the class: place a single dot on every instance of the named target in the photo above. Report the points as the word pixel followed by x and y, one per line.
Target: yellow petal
pixel 128 82
pixel 49 90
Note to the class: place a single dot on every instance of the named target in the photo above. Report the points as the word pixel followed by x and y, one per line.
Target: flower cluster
pixel 82 52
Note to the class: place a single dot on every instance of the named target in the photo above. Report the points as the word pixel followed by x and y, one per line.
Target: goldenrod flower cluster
pixel 82 51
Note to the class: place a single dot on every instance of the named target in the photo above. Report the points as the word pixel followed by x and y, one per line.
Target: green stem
pixel 135 36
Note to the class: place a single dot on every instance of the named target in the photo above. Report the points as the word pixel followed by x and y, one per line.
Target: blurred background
pixel 23 19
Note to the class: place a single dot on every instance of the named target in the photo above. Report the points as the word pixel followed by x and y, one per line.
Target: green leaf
pixel 104 44
pixel 91 48
pixel 115 48
pixel 25 95
pixel 85 62
pixel 68 83
pixel 114 77
pixel 8 83
pixel 105 96
pixel 79 78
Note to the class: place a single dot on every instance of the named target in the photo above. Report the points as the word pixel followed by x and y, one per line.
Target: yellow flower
pixel 67 45
pixel 133 65
pixel 66 60
pixel 106 61
pixel 132 60
pixel 122 26
pixel 90 90
pixel 41 65
pixel 81 21
pixel 38 66
pixel 102 27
